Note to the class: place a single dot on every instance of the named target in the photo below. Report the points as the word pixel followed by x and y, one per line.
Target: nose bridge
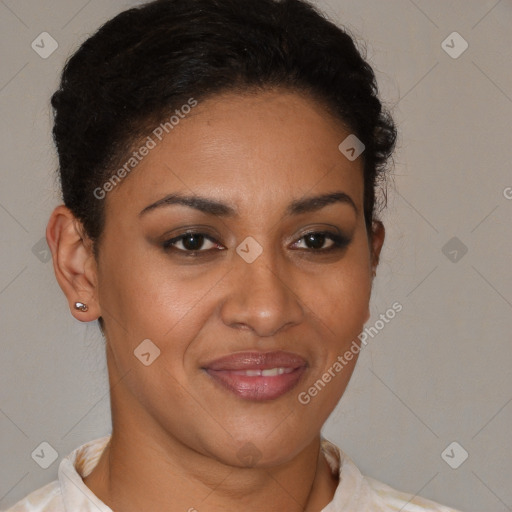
pixel 260 295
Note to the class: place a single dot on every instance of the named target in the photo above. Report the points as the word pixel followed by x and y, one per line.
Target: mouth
pixel 258 376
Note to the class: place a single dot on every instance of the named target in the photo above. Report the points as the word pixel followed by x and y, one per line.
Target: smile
pixel 257 376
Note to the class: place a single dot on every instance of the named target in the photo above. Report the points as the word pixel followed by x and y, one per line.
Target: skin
pixel 176 432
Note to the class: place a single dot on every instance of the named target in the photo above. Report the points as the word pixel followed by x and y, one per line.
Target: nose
pixel 261 297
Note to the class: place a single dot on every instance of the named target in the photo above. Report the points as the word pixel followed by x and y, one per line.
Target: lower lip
pixel 257 388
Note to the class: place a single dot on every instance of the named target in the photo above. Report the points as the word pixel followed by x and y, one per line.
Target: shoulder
pixel 68 493
pixel 401 501
pixel 45 499
pixel 360 493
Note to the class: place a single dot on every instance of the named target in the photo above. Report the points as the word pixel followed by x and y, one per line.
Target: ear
pixel 376 241
pixel 73 262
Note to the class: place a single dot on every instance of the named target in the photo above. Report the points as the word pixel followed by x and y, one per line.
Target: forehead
pixel 252 150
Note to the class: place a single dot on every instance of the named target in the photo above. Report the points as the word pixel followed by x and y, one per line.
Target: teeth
pixel 270 372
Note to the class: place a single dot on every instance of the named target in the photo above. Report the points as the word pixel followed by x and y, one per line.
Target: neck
pixel 135 473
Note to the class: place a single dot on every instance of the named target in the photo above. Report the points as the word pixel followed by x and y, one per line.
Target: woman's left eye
pixel 315 241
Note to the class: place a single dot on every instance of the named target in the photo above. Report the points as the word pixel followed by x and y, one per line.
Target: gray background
pixel 438 372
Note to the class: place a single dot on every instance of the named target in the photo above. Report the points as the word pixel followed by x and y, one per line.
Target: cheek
pixel 341 306
pixel 342 300
pixel 147 295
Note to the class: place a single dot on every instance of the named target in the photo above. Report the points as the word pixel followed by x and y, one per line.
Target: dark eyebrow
pixel 315 203
pixel 202 204
pixel 212 207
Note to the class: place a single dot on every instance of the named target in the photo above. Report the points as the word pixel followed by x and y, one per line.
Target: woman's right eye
pixel 191 244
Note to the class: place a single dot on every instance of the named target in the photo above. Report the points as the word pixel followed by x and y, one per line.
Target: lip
pixel 258 385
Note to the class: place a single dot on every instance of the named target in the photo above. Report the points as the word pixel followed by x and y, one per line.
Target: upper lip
pixel 256 361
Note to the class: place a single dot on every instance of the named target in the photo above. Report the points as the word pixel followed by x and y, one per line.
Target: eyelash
pixel 339 242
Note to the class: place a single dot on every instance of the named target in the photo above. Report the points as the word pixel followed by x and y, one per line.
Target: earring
pixel 81 306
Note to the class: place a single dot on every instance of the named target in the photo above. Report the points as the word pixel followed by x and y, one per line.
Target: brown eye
pixel 315 241
pixel 191 242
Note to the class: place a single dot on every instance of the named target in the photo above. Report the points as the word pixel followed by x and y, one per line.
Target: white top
pixel 355 492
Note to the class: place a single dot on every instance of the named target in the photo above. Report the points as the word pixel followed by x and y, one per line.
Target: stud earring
pixel 81 306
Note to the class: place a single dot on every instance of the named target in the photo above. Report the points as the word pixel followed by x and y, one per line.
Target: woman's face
pixel 253 307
